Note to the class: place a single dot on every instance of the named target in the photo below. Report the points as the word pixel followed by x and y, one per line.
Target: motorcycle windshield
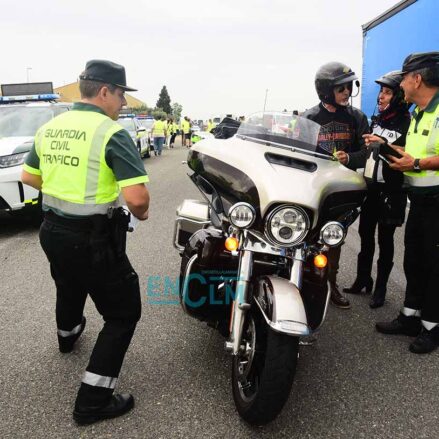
pixel 283 130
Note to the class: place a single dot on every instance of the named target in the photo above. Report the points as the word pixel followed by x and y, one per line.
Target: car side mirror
pixel 141 129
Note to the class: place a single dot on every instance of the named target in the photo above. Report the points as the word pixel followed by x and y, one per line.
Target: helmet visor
pixel 345 78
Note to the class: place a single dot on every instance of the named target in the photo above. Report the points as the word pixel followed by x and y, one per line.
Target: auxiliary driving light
pixel 242 215
pixel 332 234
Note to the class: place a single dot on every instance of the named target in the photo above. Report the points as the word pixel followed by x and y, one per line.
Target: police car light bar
pixel 42 97
pixel 127 115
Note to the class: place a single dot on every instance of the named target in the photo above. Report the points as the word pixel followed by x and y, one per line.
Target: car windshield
pixel 128 124
pixel 283 130
pixel 20 121
pixel 147 123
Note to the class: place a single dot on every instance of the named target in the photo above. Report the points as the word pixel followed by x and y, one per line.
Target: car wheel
pixel 139 148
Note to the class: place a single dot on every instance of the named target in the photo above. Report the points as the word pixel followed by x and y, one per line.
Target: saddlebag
pixel 192 215
pixel 206 271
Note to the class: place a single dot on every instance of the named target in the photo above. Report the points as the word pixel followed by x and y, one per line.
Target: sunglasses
pixel 342 88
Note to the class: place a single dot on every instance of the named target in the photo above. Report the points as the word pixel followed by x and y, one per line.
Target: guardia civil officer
pixel 386 199
pixel 420 163
pixel 342 128
pixel 81 161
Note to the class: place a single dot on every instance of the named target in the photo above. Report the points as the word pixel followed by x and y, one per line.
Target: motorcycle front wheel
pixel 263 372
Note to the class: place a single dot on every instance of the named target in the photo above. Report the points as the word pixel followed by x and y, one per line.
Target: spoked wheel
pixel 263 371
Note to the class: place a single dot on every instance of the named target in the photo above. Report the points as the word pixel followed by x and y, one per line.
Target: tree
pixel 177 110
pixel 164 101
pixel 158 112
pixel 144 109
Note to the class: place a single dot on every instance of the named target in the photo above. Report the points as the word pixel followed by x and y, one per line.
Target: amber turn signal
pixel 320 261
pixel 231 244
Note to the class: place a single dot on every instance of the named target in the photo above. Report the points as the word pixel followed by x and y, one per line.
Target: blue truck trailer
pixel 409 26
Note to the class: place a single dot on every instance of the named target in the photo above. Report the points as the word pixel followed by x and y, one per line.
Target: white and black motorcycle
pixel 253 250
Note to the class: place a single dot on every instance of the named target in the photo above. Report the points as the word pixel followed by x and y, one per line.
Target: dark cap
pixel 106 71
pixel 417 61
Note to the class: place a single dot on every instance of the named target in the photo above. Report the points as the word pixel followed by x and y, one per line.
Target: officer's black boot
pixel 381 285
pixel 118 405
pixel 426 341
pixel 363 282
pixel 401 325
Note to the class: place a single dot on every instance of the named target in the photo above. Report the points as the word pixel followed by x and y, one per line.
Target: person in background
pixel 386 200
pixel 169 131
pixel 158 132
pixel 174 132
pixel 210 126
pixel 341 135
pixel 186 131
pixel 292 123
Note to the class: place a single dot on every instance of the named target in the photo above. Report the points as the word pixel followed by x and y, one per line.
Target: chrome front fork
pixel 297 270
pixel 240 304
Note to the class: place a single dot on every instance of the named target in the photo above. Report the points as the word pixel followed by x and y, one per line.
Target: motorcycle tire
pixel 274 368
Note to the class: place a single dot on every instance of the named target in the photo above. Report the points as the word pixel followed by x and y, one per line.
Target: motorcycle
pixel 253 250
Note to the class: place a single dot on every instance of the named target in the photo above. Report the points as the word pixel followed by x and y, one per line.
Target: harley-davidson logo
pixel 334 136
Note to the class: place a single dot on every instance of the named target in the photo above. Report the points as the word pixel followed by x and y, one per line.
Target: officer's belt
pixel 80 224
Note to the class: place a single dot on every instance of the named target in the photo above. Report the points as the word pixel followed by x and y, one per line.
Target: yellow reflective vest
pixel 85 185
pixel 423 141
pixel 185 126
pixel 159 128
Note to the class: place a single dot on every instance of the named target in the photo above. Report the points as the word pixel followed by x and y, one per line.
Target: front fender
pixel 281 305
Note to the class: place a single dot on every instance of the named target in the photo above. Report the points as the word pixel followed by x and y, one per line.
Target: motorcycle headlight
pixel 287 225
pixel 242 215
pixel 332 234
pixel 8 161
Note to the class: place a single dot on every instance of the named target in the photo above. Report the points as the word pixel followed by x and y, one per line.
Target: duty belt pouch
pixel 102 253
pixel 119 221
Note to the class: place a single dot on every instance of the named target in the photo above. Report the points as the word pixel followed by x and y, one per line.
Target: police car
pixel 147 122
pixel 137 132
pixel 21 114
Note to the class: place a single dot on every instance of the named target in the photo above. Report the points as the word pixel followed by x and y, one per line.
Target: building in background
pixel 409 26
pixel 70 93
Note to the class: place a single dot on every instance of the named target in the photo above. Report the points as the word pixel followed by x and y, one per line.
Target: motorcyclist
pixel 386 200
pixel 342 128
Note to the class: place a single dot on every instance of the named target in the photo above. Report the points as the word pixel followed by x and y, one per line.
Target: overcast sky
pixel 214 56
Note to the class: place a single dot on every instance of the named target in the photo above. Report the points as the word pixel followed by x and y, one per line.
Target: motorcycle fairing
pixel 263 184
pixel 232 184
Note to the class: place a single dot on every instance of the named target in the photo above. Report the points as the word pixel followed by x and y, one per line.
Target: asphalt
pixel 352 383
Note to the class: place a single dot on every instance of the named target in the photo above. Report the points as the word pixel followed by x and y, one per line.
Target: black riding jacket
pixel 341 131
